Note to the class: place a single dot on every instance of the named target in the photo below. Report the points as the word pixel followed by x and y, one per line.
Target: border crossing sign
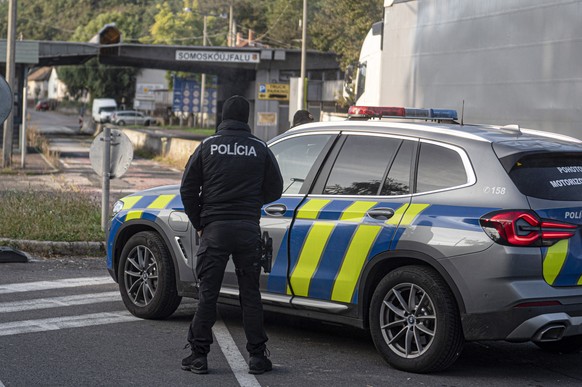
pixel 187 97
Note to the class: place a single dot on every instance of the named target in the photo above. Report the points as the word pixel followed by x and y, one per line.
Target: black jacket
pixel 229 177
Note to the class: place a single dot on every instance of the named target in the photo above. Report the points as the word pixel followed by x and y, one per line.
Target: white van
pixel 103 108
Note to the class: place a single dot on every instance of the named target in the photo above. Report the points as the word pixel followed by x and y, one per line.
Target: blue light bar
pixel 445 114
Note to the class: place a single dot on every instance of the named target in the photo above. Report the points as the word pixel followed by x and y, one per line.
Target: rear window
pixel 549 176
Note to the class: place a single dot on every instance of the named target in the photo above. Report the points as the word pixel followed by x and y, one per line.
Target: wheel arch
pixel 384 263
pixel 129 229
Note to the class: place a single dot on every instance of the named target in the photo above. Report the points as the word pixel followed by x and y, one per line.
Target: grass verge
pixel 198 131
pixel 50 216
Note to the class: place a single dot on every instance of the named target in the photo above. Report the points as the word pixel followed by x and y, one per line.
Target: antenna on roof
pixel 462 112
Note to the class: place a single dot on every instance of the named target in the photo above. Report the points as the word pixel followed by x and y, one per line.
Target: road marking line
pixel 53 324
pixel 2 385
pixel 58 284
pixel 233 356
pixel 57 302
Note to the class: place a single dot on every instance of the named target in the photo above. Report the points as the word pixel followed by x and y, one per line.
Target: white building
pixel 44 83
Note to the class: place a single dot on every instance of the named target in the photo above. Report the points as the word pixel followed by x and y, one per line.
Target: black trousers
pixel 220 239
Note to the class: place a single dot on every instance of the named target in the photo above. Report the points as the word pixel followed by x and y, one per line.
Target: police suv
pixel 425 231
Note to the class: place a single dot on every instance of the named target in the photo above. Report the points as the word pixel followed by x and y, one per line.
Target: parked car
pixel 42 105
pixel 131 117
pixel 429 234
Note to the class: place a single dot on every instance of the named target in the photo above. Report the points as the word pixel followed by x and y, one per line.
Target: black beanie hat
pixel 236 108
pixel 302 117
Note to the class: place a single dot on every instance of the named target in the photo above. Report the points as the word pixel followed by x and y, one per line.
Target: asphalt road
pixel 62 323
pixel 64 137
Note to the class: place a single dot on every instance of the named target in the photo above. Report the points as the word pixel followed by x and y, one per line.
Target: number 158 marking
pixel 495 190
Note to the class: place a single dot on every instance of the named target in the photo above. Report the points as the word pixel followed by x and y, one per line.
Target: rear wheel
pixel 121 123
pixel 146 277
pixel 570 344
pixel 414 320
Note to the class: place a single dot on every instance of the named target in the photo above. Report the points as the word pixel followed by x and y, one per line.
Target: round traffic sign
pixel 120 156
pixel 5 100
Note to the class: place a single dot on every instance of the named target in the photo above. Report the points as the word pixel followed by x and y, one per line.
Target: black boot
pixel 196 363
pixel 260 363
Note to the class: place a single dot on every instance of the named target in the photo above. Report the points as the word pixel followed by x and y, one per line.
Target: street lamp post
pixel 301 93
pixel 10 70
pixel 203 79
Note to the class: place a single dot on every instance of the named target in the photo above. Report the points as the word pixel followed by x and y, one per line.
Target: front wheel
pixel 569 344
pixel 146 277
pixel 414 320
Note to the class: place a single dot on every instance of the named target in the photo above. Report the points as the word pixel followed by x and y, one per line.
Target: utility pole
pixel 10 70
pixel 203 79
pixel 230 40
pixel 301 93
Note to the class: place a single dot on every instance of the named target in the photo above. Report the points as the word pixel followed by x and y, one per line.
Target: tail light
pixel 524 228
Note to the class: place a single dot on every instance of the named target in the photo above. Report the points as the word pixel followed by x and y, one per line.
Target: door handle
pixel 381 213
pixel 276 209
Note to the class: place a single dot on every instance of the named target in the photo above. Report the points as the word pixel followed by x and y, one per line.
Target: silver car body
pixel 331 250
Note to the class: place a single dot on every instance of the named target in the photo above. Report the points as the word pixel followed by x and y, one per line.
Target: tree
pixel 101 80
pixel 340 26
pixel 284 23
pixel 58 19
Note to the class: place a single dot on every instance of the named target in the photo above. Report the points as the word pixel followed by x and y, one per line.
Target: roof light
pixel 401 112
pixel 376 111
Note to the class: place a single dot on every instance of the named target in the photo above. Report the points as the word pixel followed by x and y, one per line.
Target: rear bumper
pixel 525 324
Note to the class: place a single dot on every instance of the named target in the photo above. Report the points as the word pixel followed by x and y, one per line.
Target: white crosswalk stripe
pixel 58 284
pixel 52 324
pixel 56 302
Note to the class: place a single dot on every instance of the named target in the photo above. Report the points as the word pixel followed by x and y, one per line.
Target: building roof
pixel 41 74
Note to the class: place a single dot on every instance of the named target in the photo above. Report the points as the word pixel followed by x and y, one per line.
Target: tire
pixel 120 123
pixel 146 277
pixel 147 123
pixel 424 337
pixel 569 344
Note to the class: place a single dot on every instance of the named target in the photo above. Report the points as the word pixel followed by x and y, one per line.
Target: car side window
pixel 398 180
pixel 361 165
pixel 439 167
pixel 296 156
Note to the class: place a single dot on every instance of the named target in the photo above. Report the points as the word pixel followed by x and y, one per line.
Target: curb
pixel 51 248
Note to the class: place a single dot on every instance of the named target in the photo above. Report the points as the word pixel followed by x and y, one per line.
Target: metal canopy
pixel 51 53
pixel 172 58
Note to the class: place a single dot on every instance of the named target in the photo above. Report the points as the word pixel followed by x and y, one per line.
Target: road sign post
pixel 106 176
pixel 111 154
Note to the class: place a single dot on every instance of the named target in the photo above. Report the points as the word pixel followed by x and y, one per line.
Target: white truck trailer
pixel 510 61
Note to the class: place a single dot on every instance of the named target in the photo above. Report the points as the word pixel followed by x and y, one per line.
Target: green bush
pixel 50 216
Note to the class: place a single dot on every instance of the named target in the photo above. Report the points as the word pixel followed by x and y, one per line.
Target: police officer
pixel 226 181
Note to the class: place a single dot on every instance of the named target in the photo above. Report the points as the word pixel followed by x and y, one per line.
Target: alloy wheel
pixel 141 275
pixel 408 320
